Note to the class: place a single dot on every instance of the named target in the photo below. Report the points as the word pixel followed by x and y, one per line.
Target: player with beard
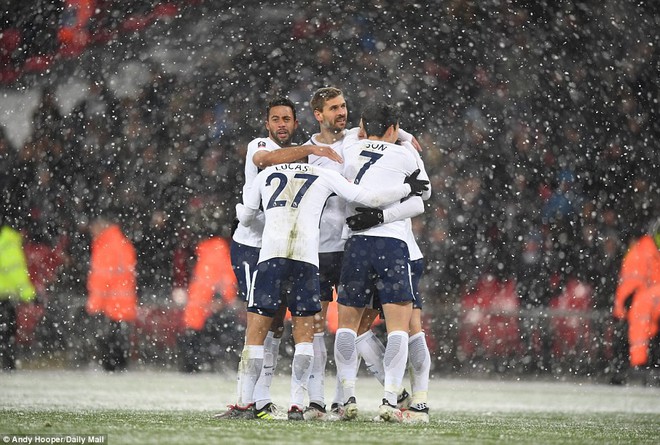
pixel 281 124
pixel 293 197
pixel 331 112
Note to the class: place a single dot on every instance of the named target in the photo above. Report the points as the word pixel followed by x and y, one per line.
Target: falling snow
pixel 538 122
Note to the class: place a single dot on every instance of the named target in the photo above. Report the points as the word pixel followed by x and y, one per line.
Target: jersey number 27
pixel 282 182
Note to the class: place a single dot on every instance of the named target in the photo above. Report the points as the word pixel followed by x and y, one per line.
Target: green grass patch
pixel 198 427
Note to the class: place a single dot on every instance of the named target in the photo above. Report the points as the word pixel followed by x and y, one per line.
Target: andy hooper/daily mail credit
pixel 30 439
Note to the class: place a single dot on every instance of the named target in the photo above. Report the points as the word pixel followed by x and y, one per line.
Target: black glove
pixel 365 218
pixel 417 186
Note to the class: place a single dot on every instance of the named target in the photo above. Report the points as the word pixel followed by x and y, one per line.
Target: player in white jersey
pixel 375 262
pixel 331 112
pixel 419 357
pixel 293 197
pixel 281 124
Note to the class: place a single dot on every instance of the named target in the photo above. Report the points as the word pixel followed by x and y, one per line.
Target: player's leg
pixel 244 263
pixel 396 350
pixel 391 263
pixel 395 359
pixel 304 307
pixel 317 378
pixel 261 310
pixel 344 348
pixel 354 292
pixel 419 357
pixel 301 367
pixel 419 366
pixel 369 346
pixel 262 395
pixel 253 353
pixel 372 350
pixel 329 271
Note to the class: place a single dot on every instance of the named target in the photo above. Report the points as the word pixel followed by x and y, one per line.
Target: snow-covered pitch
pixel 162 391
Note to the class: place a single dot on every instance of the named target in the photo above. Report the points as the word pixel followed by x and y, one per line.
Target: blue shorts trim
pixel 416 272
pixel 244 263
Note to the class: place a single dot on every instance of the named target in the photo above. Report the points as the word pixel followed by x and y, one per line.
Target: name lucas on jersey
pixel 293 167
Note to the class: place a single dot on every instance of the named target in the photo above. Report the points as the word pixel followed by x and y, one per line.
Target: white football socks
pixel 317 378
pixel 372 351
pixel 395 360
pixel 346 360
pixel 262 387
pixel 419 366
pixel 301 368
pixel 250 368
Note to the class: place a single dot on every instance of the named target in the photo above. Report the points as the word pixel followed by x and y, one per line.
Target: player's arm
pixel 247 211
pixel 265 158
pixel 367 217
pixel 420 165
pixel 404 136
pixel 408 208
pixel 380 198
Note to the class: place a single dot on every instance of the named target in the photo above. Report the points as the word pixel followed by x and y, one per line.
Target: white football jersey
pixel 251 236
pixel 414 251
pixel 293 197
pixel 374 165
pixel 409 209
pixel 333 218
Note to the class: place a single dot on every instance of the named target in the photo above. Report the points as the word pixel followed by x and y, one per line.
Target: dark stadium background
pixel 539 123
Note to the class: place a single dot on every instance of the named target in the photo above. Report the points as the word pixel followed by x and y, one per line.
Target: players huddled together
pixel 331 216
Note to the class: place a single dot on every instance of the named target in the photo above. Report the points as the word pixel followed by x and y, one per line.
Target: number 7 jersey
pixel 373 165
pixel 293 197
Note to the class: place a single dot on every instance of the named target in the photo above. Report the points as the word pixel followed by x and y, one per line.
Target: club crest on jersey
pixel 261 144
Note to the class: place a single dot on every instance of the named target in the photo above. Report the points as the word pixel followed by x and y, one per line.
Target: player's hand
pixel 417 186
pixel 326 152
pixel 365 218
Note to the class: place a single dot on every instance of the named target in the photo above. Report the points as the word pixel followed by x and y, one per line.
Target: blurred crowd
pixel 538 122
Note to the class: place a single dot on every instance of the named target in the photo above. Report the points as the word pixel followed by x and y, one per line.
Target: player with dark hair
pixel 293 197
pixel 376 262
pixel 419 357
pixel 331 112
pixel 276 148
